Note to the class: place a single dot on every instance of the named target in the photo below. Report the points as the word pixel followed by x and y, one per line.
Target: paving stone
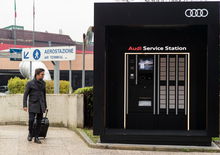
pixel 60 141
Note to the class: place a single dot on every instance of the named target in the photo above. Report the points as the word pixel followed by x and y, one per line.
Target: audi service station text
pixel 157 48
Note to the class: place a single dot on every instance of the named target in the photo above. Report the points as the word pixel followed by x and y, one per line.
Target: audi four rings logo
pixel 196 13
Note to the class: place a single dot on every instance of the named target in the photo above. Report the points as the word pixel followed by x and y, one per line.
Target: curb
pixel 213 149
pixel 86 138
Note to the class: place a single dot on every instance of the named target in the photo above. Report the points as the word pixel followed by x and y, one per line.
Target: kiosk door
pixel 156 91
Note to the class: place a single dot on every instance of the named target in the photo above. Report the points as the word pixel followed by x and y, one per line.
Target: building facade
pixel 24 39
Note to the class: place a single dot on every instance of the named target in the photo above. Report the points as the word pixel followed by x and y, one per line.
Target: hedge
pixel 17 86
pixel 64 87
pixel 88 105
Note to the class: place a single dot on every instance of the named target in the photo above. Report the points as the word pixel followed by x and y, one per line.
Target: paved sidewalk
pixel 60 141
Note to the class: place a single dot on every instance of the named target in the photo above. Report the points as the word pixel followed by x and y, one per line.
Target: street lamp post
pixel 83 60
pixel 87 38
pixel 33 37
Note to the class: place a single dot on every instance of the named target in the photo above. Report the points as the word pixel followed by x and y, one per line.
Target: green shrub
pixel 49 87
pixel 84 90
pixel 88 105
pixel 64 87
pixel 17 86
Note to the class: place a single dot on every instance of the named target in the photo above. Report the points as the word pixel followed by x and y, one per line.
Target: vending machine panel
pixel 156 90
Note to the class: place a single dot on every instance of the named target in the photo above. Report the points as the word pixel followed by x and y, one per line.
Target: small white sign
pixel 144 103
pixel 62 53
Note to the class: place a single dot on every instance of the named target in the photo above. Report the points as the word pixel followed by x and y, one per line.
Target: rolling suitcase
pixel 44 126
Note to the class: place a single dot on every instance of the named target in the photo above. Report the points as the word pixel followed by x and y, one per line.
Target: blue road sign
pixel 36 54
pixel 15 54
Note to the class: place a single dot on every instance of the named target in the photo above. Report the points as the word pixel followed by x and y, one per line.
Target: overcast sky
pixel 72 16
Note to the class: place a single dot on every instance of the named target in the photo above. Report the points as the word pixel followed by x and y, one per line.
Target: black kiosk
pixel 156 72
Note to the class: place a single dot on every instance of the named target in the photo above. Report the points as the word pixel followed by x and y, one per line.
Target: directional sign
pixel 15 54
pixel 61 53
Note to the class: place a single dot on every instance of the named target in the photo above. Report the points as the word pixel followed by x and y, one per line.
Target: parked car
pixel 3 89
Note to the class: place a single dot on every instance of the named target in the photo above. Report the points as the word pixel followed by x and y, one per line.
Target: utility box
pixel 156 72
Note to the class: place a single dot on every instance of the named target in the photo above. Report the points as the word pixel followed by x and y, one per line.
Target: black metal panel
pixel 156 137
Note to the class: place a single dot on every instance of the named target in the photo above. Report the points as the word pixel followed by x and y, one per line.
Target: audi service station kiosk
pixel 156 72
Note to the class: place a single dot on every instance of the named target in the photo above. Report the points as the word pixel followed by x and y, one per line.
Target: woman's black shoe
pixel 36 140
pixel 29 138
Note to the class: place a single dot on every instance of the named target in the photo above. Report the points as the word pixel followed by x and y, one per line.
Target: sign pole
pixel 56 74
pixel 56 77
pixel 70 77
pixel 14 28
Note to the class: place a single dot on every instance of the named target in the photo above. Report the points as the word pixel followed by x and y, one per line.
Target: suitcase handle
pixel 46 113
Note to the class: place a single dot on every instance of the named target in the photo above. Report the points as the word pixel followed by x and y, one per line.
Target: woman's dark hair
pixel 38 71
